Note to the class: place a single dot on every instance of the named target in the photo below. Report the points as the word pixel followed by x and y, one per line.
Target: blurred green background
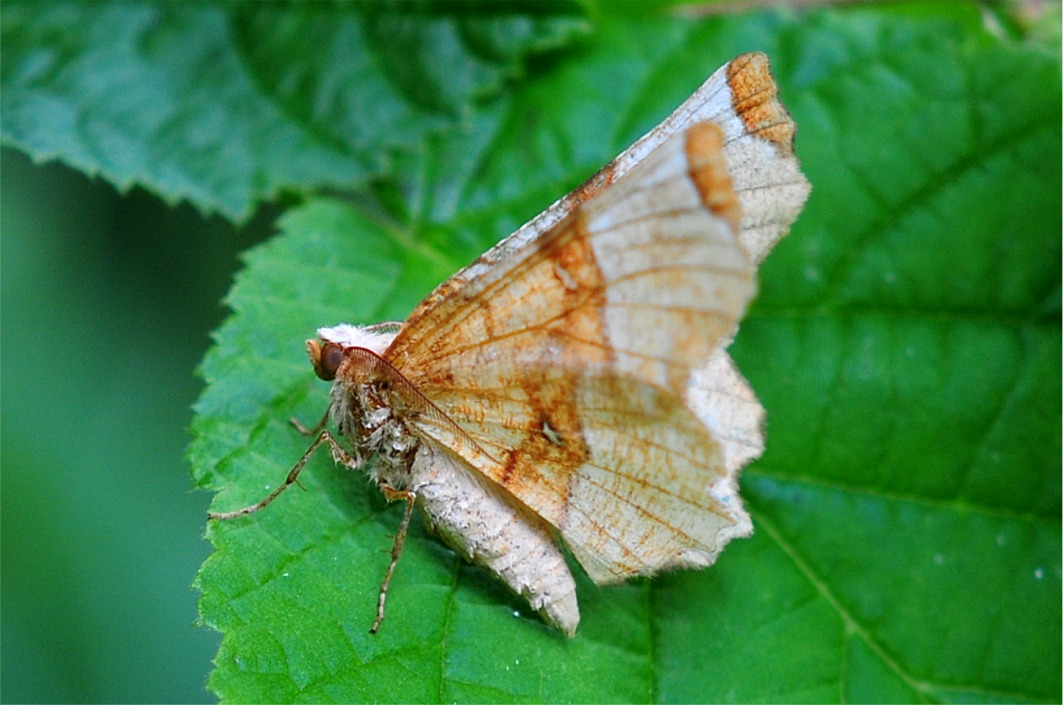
pixel 107 305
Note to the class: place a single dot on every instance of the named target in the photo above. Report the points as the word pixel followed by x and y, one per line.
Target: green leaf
pixel 228 105
pixel 906 345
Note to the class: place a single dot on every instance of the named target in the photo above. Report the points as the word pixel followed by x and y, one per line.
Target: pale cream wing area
pixel 723 400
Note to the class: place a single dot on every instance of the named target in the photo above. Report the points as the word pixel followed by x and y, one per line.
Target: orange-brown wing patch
pixel 755 99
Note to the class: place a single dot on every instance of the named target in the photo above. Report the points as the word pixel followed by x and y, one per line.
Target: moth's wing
pixel 567 368
pixel 618 305
pixel 627 474
pixel 646 279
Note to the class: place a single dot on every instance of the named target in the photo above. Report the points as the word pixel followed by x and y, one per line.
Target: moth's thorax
pixel 367 401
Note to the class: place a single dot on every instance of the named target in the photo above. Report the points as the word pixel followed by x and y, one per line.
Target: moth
pixel 571 385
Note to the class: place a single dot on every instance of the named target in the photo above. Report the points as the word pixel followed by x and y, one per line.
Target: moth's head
pixel 326 358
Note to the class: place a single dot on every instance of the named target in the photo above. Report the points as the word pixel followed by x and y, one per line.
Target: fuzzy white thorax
pixel 375 338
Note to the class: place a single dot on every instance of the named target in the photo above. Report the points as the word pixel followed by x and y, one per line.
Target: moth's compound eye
pixel 329 362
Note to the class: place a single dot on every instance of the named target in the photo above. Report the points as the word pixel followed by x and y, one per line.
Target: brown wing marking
pixel 755 99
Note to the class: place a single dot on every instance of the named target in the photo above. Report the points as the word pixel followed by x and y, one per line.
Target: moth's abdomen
pixel 494 531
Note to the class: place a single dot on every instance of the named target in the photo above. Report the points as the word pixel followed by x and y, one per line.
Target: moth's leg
pixel 309 431
pixel 338 453
pixel 396 550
